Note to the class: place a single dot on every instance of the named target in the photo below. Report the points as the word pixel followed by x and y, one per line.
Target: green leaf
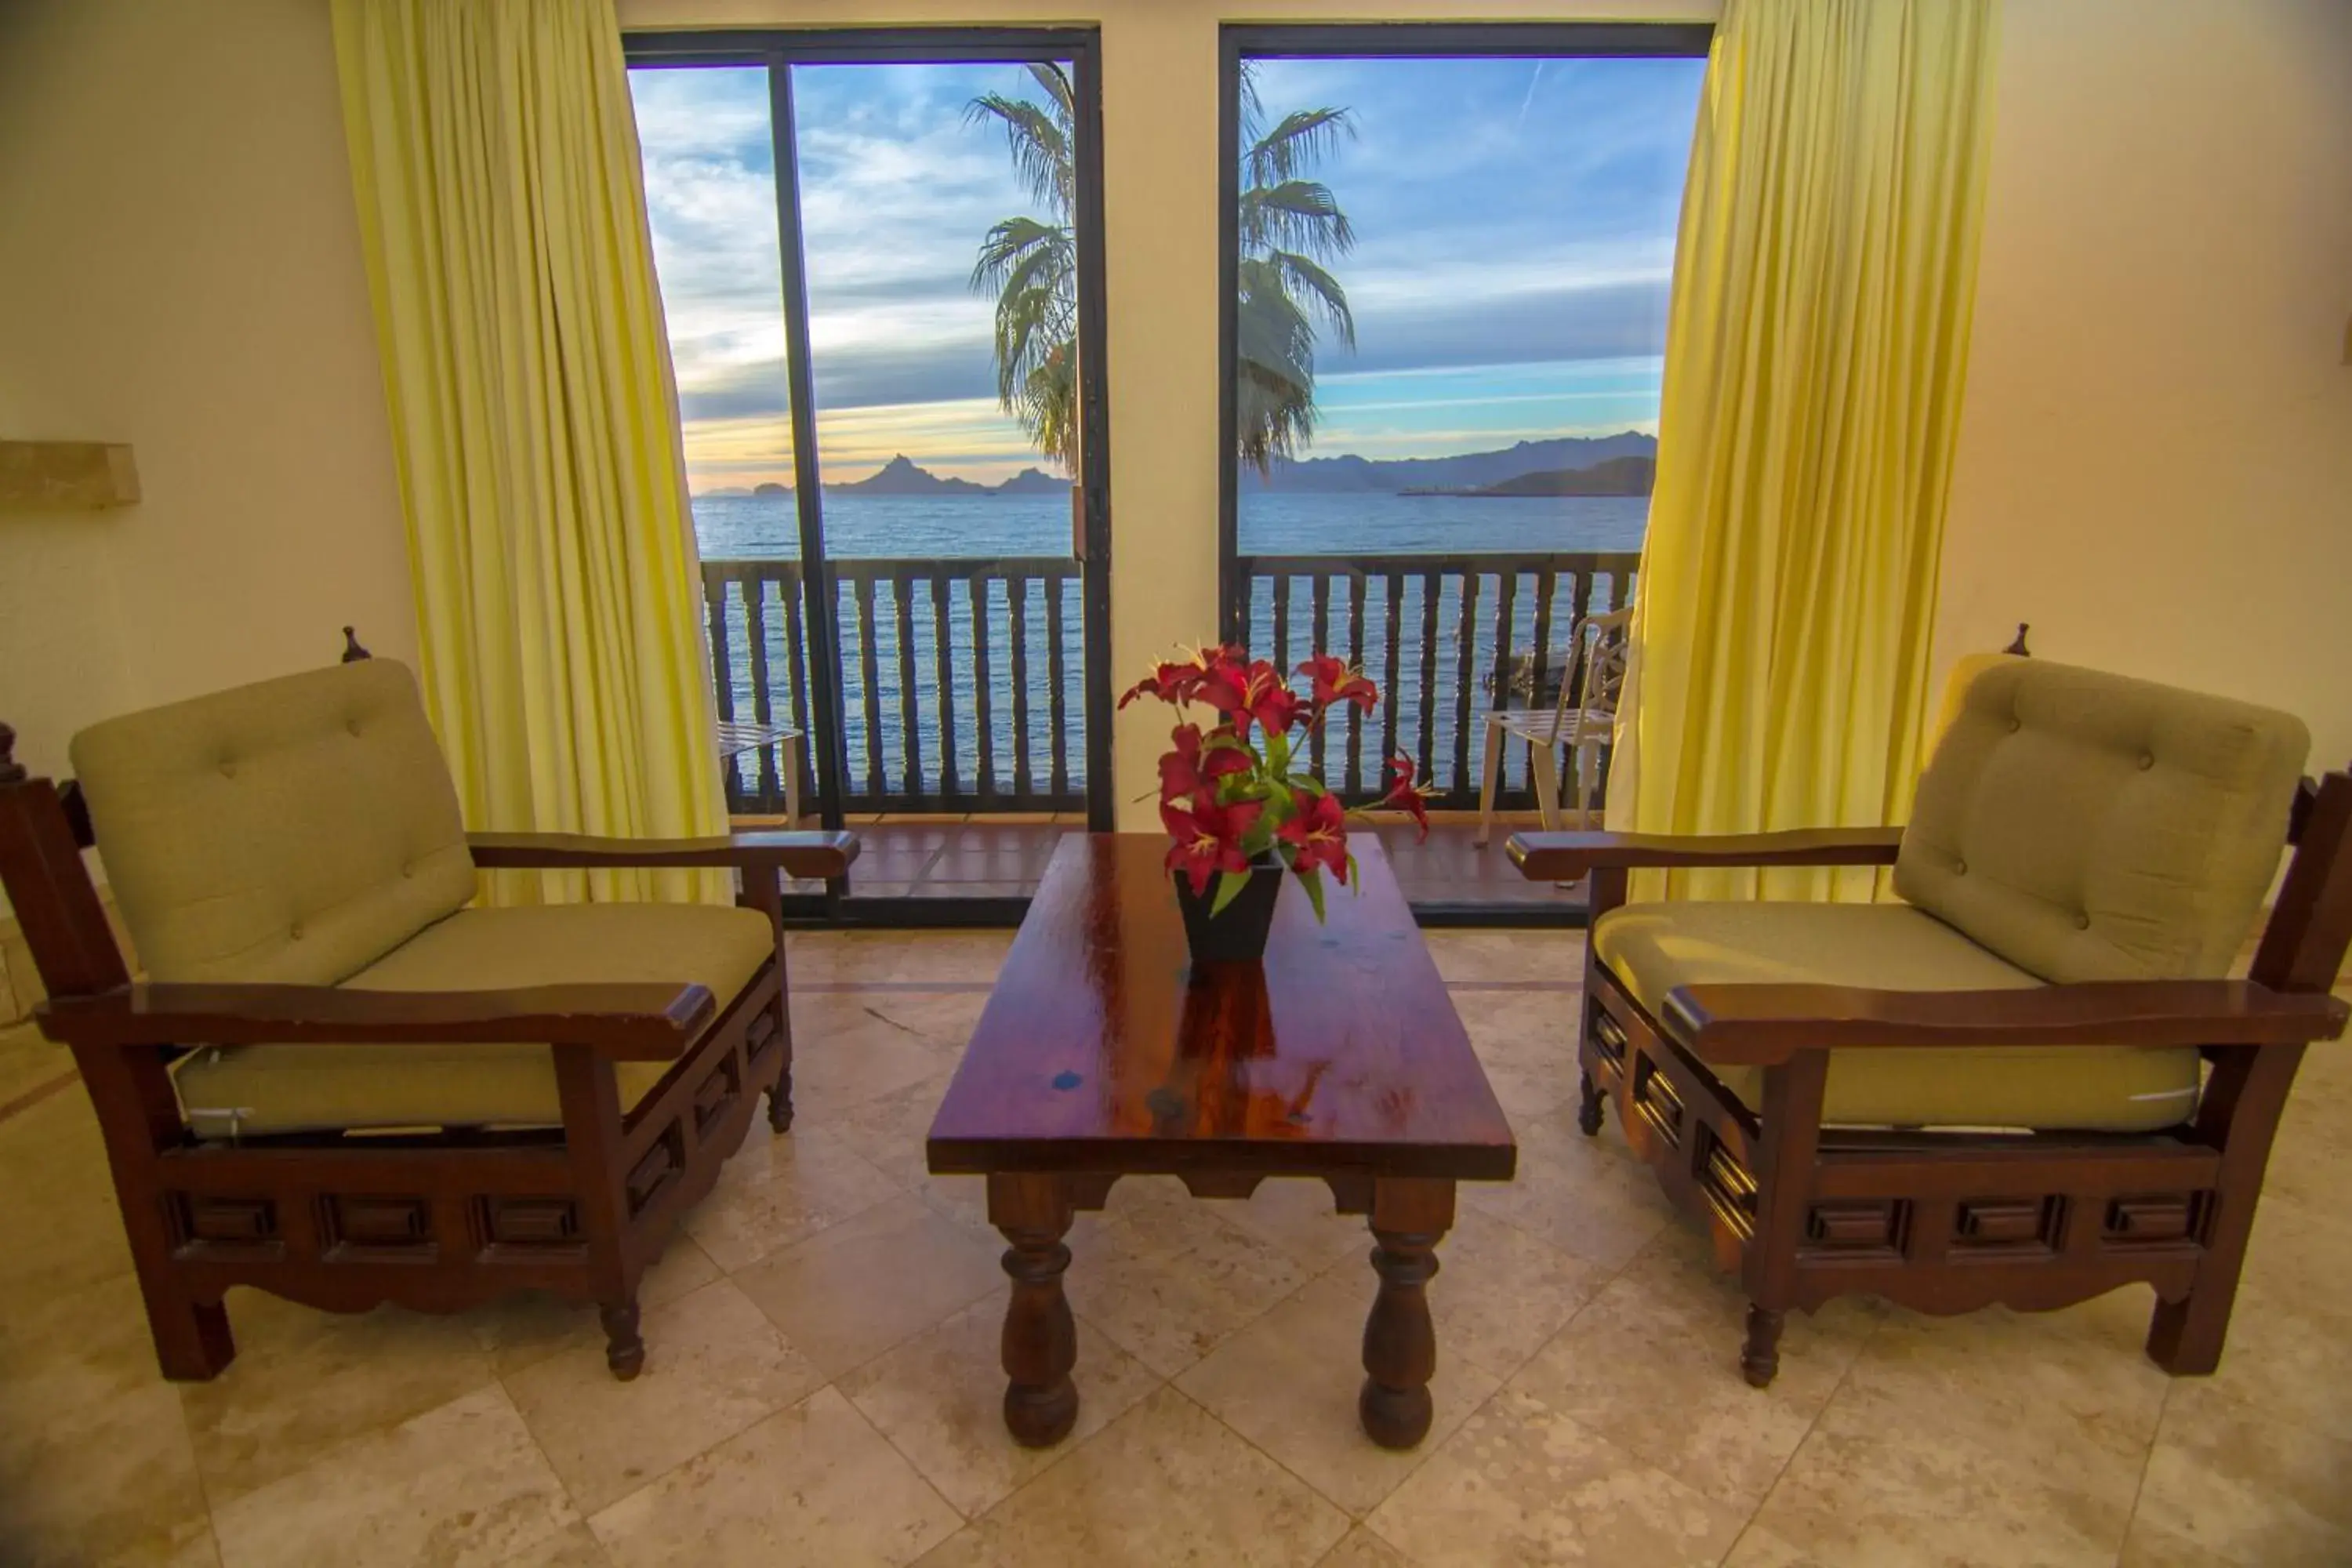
pixel 1355 874
pixel 1314 884
pixel 1277 754
pixel 1229 888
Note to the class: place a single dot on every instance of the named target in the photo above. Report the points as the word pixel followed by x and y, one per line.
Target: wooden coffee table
pixel 1102 1054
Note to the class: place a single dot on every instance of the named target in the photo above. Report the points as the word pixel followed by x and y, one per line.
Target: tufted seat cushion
pixel 2089 826
pixel 1654 947
pixel 278 1088
pixel 290 832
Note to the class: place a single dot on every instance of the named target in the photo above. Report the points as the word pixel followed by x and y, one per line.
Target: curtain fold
pixel 534 422
pixel 1816 348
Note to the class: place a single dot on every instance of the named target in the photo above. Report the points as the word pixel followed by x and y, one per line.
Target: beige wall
pixel 179 270
pixel 2156 452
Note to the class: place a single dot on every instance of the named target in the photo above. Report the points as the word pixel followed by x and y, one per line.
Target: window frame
pixel 1365 40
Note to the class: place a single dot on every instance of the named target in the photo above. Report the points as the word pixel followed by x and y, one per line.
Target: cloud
pixel 1509 216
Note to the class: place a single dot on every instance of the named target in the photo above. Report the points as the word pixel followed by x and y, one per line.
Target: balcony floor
pixel 921 858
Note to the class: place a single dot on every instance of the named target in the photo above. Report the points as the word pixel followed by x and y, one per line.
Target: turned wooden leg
pixel 193 1343
pixel 1588 1108
pixel 1760 1358
pixel 624 1348
pixel 780 1096
pixel 1400 1343
pixel 1040 1344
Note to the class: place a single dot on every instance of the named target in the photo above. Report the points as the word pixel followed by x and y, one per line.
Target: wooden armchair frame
pixel 1949 1222
pixel 438 1221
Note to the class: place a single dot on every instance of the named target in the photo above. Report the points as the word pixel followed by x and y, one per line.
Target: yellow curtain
pixel 501 204
pixel 1816 345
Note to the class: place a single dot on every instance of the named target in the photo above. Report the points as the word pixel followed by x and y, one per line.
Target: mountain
pixel 1033 482
pixel 730 492
pixel 770 490
pixel 1612 477
pixel 1467 471
pixel 899 476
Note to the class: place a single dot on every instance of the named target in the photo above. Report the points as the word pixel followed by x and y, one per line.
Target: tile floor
pixel 823 1384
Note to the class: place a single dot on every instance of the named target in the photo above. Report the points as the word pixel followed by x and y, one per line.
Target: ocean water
pixel 1021 740
pixel 767 528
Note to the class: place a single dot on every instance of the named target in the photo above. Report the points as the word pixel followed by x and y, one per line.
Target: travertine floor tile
pixel 95 1462
pixel 847 1294
pixel 1298 1218
pixel 1588 1196
pixel 2253 1463
pixel 939 1398
pixel 1858 1495
pixel 2065 1398
pixel 1359 1548
pixel 27 1061
pixel 2148 1546
pixel 1171 1284
pixel 304 1380
pixel 812 1484
pixel 1499 1293
pixel 1288 1383
pixel 1652 1365
pixel 1760 1548
pixel 851 1049
pixel 65 1229
pixel 889 1131
pixel 459 1485
pixel 1521 1485
pixel 528 1328
pixel 714 1364
pixel 777 1191
pixel 1165 1483
pixel 1508 954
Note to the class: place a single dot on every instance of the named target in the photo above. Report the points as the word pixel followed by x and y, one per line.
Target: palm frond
pixel 1297 214
pixel 1040 145
pixel 1006 244
pixel 1304 280
pixel 1302 137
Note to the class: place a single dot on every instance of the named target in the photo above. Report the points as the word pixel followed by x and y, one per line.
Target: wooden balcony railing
pixel 1430 631
pixel 962 680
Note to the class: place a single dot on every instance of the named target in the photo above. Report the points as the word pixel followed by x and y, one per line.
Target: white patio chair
pixel 1581 720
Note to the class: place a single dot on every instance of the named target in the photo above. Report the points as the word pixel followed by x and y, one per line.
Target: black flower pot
pixel 1237 934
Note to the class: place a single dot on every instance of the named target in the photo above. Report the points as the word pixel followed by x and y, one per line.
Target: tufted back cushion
pixel 293 831
pixel 2088 826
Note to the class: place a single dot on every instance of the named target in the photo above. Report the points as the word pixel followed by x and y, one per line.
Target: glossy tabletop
pixel 1103 1050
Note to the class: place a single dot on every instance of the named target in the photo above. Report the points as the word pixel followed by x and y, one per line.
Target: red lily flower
pixel 1208 839
pixel 1192 769
pixel 1336 683
pixel 1404 795
pixel 1317 834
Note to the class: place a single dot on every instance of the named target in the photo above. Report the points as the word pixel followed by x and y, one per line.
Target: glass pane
pixel 1450 319
pixel 710 197
pixel 935 209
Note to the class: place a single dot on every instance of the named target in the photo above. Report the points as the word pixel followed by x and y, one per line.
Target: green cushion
pixel 2087 826
pixel 278 1088
pixel 1654 947
pixel 292 832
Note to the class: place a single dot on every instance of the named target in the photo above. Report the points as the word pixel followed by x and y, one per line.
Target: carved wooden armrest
pixel 814 855
pixel 1759 1024
pixel 625 1022
pixel 1566 856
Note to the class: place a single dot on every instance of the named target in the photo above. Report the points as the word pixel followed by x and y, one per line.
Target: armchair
pixel 346 1085
pixel 2029 1083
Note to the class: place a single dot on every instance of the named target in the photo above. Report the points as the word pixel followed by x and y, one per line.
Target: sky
pixel 1514 234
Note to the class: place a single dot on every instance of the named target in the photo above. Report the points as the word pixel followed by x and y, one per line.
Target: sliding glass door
pixel 880 258
pixel 1447 250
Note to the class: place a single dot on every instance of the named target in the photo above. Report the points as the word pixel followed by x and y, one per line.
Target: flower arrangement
pixel 1231 797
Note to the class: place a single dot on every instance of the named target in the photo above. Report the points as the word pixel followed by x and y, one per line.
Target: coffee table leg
pixel 1040 1343
pixel 1400 1343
